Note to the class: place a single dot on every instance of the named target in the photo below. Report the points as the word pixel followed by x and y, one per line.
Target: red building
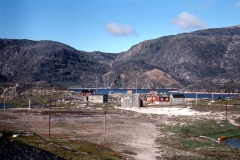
pixel 86 92
pixel 160 99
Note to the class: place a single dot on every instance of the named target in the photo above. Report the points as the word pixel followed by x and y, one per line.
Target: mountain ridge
pixel 174 61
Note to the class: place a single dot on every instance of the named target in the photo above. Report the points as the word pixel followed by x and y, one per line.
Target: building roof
pixel 98 94
pixel 178 96
pixel 86 91
pixel 163 95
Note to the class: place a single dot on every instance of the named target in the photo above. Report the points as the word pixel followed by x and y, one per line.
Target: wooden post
pixel 4 103
pixel 226 109
pixel 29 103
pixel 196 98
pixel 49 119
pixel 136 86
pixel 105 114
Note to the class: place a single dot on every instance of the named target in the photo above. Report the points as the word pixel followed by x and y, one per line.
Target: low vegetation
pixel 184 137
pixel 67 149
pixel 197 137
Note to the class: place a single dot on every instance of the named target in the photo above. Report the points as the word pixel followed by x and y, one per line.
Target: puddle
pixel 233 142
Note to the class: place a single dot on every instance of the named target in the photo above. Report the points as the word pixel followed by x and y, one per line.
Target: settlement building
pixel 131 100
pixel 98 98
pixel 86 92
pixel 177 99
pixel 161 99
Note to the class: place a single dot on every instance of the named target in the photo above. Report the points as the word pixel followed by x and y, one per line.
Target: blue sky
pixel 111 25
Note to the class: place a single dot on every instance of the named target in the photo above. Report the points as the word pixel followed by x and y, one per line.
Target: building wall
pixel 155 98
pixel 95 98
pixel 177 100
pixel 84 94
pixel 165 103
pixel 165 99
pixel 130 100
pixel 160 100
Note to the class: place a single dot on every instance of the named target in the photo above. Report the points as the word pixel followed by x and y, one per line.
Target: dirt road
pixel 130 131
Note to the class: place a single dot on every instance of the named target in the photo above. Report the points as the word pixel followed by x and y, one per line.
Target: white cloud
pixel 118 30
pixel 188 21
pixel 237 5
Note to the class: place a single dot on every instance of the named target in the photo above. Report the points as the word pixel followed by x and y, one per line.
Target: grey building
pixel 131 100
pixel 177 99
pixel 98 98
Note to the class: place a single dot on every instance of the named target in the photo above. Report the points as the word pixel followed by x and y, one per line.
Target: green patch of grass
pixel 69 149
pixel 201 144
pixel 203 148
pixel 207 128
pixel 184 157
pixel 8 133
pixel 186 137
pixel 232 105
pixel 92 149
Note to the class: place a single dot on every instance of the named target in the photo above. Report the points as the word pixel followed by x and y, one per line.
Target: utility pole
pixel 4 103
pixel 105 114
pixel 96 84
pixel 29 103
pixel 226 109
pixel 136 86
pixel 49 119
pixel 196 98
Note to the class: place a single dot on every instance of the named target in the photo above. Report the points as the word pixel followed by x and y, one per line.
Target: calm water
pixel 168 91
pixel 108 91
pixel 7 105
pixel 233 142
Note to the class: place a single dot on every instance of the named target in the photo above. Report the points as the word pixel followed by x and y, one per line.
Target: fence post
pixel 105 114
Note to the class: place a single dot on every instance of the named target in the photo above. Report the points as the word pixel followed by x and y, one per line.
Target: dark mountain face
pixel 24 60
pixel 192 57
pixel 172 61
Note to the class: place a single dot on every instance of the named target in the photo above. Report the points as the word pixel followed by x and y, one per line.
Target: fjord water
pixel 167 91
pixel 7 105
pixel 139 91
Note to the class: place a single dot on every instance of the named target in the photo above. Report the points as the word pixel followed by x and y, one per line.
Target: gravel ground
pixel 126 130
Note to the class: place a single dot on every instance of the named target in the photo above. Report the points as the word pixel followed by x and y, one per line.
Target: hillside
pixel 191 57
pixel 25 60
pixel 175 61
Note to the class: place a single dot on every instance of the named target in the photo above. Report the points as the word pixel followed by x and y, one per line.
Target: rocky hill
pixel 25 60
pixel 192 57
pixel 177 61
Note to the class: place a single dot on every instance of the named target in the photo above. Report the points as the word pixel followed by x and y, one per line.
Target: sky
pixel 112 26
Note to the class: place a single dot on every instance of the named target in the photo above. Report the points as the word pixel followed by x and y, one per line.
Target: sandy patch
pixel 164 110
pixel 142 140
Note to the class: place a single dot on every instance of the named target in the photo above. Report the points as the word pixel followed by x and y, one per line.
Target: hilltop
pixel 182 61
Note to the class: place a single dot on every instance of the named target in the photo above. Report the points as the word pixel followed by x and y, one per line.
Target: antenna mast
pixel 136 86
pixel 96 84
